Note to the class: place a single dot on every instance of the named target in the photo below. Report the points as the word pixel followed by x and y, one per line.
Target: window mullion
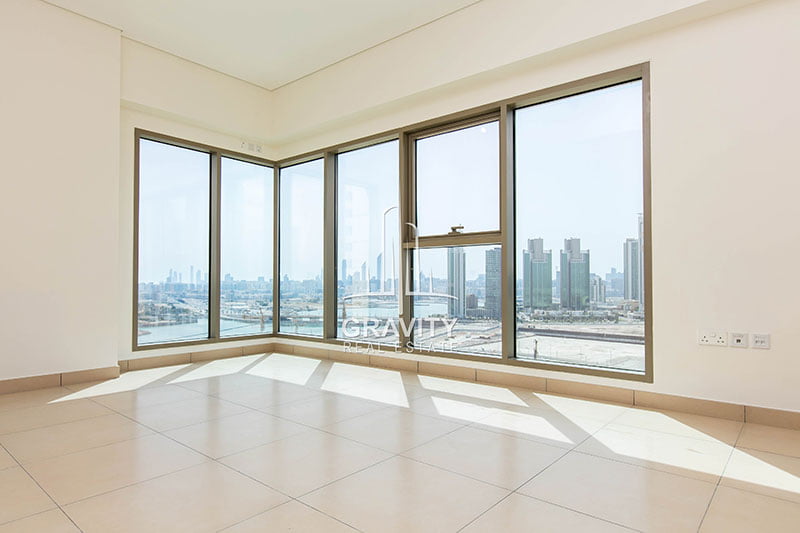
pixel 214 247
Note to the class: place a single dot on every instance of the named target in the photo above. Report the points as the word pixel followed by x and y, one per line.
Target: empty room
pixel 363 265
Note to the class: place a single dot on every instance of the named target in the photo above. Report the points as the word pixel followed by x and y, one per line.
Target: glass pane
pixel 579 229
pixel 457 300
pixel 173 243
pixel 246 256
pixel 368 244
pixel 301 245
pixel 458 180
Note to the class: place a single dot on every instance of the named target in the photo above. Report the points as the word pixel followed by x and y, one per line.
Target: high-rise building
pixel 597 290
pixel 344 271
pixel 615 283
pixel 537 275
pixel 493 275
pixel 632 262
pixel 574 275
pixel 456 282
pixel 379 271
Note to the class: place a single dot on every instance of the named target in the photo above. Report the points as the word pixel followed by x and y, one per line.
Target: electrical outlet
pixel 737 340
pixel 712 338
pixel 760 340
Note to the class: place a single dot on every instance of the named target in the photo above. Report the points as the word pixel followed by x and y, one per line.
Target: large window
pixel 246 257
pixel 301 244
pixel 173 263
pixel 579 229
pixel 518 232
pixel 368 244
pixel 454 249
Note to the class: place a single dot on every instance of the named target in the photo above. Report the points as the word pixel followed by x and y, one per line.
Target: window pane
pixel 301 245
pixel 458 180
pixel 579 229
pixel 368 241
pixel 173 243
pixel 246 240
pixel 457 299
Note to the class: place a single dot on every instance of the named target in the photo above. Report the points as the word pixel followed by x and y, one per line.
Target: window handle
pixel 455 230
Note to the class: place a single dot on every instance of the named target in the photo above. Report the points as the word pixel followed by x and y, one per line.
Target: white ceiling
pixel 267 42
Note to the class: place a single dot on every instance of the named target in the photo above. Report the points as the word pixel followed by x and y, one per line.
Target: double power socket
pixel 736 340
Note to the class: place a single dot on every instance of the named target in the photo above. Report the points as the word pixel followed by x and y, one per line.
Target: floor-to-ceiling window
pixel 367 256
pixel 454 243
pixel 173 245
pixel 246 241
pixel 301 245
pixel 579 229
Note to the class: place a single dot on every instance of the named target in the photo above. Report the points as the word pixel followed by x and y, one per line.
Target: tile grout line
pixel 719 479
pixel 43 490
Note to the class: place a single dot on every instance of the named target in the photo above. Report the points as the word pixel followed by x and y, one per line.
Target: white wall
pixel 724 159
pixel 59 103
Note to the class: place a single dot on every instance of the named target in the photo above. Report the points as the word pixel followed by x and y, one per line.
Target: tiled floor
pixel 284 443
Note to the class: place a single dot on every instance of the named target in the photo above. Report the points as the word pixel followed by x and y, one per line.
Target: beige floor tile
pixel 325 409
pixel 20 496
pixel 53 521
pixel 214 385
pixel 632 496
pixel 129 381
pixel 204 498
pixel 687 425
pixel 232 434
pixel 392 429
pixel 736 511
pixel 692 457
pixel 521 514
pixel 548 427
pixel 386 392
pixel 72 477
pixel 268 394
pixel 61 439
pixel 6 461
pixel 141 398
pixel 291 516
pixel 454 408
pixel 183 413
pixel 770 439
pixel 404 495
pixel 765 473
pixel 596 409
pixel 32 398
pixel 27 418
pixel 288 368
pixel 304 462
pixel 467 391
pixel 501 460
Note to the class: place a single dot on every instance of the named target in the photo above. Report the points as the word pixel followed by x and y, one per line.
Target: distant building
pixel 574 275
pixel 537 275
pixel 472 301
pixel 597 289
pixel 493 276
pixel 343 273
pixel 615 284
pixel 631 268
pixel 456 282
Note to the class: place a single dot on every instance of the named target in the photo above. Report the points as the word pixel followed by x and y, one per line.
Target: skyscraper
pixel 632 262
pixel 598 289
pixel 344 271
pixel 574 275
pixel 493 269
pixel 456 282
pixel 537 275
